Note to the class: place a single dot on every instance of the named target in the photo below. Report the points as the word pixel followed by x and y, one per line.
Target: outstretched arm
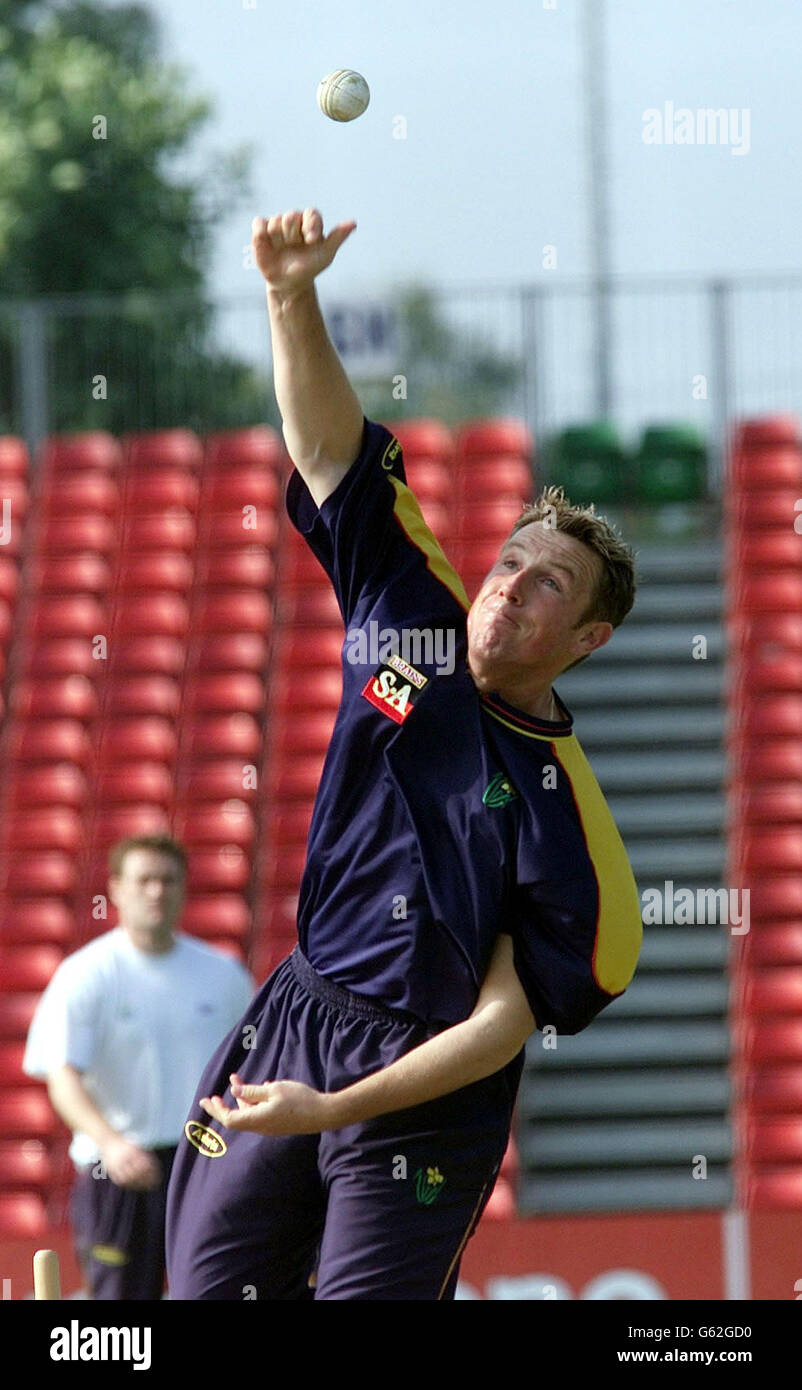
pixel 321 414
pixel 482 1044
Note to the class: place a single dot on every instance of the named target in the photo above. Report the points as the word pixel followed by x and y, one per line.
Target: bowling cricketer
pixel 465 882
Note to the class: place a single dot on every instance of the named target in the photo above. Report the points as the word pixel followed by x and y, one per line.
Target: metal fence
pixel 679 350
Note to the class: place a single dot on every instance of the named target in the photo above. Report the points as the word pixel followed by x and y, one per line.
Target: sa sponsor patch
pixel 109 1255
pixel 394 687
pixel 205 1140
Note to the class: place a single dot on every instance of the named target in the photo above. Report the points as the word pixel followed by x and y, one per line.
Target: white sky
pixel 493 166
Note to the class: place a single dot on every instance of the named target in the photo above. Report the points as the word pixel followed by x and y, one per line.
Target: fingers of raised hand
pixel 311 225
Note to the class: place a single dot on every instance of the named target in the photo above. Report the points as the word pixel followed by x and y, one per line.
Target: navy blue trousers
pixel 380 1210
pixel 119 1234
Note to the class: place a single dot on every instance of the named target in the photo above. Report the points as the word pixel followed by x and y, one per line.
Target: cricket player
pixel 465 882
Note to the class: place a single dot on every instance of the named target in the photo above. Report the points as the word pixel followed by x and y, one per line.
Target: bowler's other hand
pixel 290 248
pixel 276 1107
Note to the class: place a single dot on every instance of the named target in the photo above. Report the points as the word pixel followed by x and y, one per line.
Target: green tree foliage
pixel 91 120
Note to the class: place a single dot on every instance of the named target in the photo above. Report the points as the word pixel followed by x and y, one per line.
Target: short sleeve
pixel 65 1027
pixel 553 953
pixel 369 531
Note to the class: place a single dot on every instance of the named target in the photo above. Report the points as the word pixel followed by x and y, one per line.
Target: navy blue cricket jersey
pixel 445 816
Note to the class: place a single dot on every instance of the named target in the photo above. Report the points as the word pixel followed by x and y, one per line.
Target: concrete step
pixel 624 1144
pixel 634 1093
pixel 661 1189
pixel 617 1043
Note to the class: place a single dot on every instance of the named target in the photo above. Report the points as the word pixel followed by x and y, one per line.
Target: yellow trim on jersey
pixel 462 1243
pixel 620 928
pixel 408 513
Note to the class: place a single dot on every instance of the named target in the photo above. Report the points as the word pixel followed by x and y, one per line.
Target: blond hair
pixel 615 590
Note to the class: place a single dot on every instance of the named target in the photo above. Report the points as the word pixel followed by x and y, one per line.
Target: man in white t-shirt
pixel 122 1034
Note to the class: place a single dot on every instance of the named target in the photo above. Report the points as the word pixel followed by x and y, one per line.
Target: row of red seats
pixel 764 613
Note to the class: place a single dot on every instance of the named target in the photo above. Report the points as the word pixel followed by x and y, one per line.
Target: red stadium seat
pixel 768 429
pixel 438 519
pixel 163 449
pixel 430 480
pixel 225 692
pixel 65 535
pixel 6 622
pixel 773 992
pixel 216 781
pixel 81 494
pixel 13 457
pixel 25 1163
pixel 490 521
pixel 217 914
pixel 765 635
pixel 770 1041
pixel 241 610
pixel 65 615
pixel 307 647
pixel 232 651
pixel 777 674
pixel 158 655
pixel 774 1189
pixel 162 614
pixel 147 738
pixel 301 569
pixel 118 822
pixel 289 825
pixel 761 550
pixel 774 716
pixel 775 897
pixel 259 446
pixel 769 507
pixel 94 450
pixel 775 804
pixel 145 694
pixel 16 1013
pixel 257 526
pixel 423 438
pixel 23 1216
pixel 27 968
pixel 168 570
pixel 775 466
pixel 486 478
pixel 14 499
pixel 296 779
pixel 174 530
pixel 35 922
pixel 39 873
pixel 9 579
pixel 507 437
pixel 303 733
pixel 309 608
pixel 774 1090
pixel 227 823
pixel 779 848
pixel 283 867
pixel 63 574
pixel 135 782
pixel 232 489
pixel 224 736
pixel 11 1073
pixel 46 828
pixel 312 689
pixel 60 656
pixel 236 569
pixel 49 740
pixel 772 591
pixel 160 490
pixel 775 944
pixel 54 697
pixel 57 784
pixel 222 870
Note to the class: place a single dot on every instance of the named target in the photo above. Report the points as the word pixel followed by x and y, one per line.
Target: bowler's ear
pixel 597 635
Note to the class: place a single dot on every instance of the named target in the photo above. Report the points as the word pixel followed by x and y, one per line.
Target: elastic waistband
pixel 344 1000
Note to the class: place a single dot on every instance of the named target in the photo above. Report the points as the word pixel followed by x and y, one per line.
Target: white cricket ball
pixel 343 95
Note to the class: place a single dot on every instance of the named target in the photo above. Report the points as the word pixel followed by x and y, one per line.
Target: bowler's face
pixel 526 613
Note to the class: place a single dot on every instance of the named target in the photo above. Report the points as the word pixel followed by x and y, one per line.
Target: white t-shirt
pixel 140 1028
